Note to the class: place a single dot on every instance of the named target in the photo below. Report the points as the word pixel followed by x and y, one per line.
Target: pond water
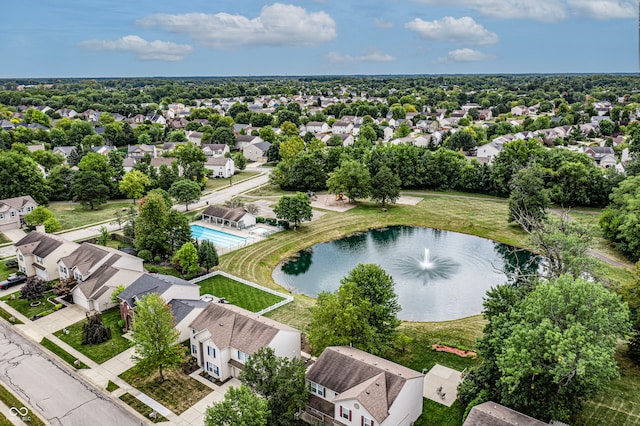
pixel 439 275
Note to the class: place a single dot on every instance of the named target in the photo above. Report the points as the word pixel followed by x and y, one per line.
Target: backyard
pixel 102 351
pixel 237 293
pixel 74 215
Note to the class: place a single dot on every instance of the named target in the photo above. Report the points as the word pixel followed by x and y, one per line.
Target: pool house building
pixel 238 218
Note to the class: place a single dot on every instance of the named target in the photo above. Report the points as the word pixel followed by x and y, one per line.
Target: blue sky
pixel 98 38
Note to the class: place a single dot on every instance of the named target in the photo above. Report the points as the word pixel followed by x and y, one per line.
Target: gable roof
pixel 493 414
pixel 150 283
pixel 352 373
pixel 231 326
pixel 84 257
pixel 39 244
pixel 182 307
pixel 18 202
pixel 233 215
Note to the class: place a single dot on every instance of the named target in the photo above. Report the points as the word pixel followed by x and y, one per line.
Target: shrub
pixel 284 224
pixel 94 331
pixel 57 307
pixel 157 259
pixel 11 263
pixel 121 323
pixel 33 289
pixel 64 287
pixel 260 219
pixel 145 255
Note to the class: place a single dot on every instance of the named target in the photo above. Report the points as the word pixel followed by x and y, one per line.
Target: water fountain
pixel 427 268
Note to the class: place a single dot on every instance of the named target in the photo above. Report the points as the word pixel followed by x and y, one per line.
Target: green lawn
pixel 141 407
pixel 103 351
pixel 213 184
pixel 11 401
pixel 64 355
pixel 162 269
pixel 5 272
pixel 112 386
pixel 24 306
pixel 4 239
pixel 75 215
pixel 178 392
pixel 239 294
pixel 6 315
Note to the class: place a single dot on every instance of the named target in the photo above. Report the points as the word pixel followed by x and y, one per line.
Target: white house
pixel 488 151
pixel 341 128
pixel 182 296
pixel 221 167
pixel 238 217
pixel 519 110
pixel 13 210
pixel 223 337
pixel 354 388
pixel 38 252
pixel 215 149
pixel 317 127
pixel 98 271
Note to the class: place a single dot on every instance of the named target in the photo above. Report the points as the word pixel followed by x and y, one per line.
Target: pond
pixel 439 275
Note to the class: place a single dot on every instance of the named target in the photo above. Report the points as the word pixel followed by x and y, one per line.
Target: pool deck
pixel 243 233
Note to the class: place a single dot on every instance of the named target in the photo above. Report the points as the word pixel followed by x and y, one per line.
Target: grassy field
pixel 5 272
pixel 141 407
pixel 239 294
pixel 103 351
pixel 112 386
pixel 24 306
pixel 6 315
pixel 11 401
pixel 162 269
pixel 75 215
pixel 178 392
pixel 482 217
pixel 64 355
pixel 214 184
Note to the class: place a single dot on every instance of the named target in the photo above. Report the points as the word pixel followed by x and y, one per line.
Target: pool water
pixel 218 238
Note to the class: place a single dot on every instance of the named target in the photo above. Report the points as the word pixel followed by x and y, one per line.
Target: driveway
pixel 54 391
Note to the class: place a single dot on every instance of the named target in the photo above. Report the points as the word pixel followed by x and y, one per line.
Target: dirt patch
pixel 455 351
pixel 329 202
pixel 409 201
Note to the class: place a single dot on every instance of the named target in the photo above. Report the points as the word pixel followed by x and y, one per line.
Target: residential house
pixel 257 151
pixel 13 210
pixel 243 141
pixel 347 139
pixel 167 161
pixel 238 127
pixel 37 147
pixel 215 149
pixel 67 113
pixel 139 151
pixel 156 119
pixel 223 337
pixel 341 128
pixel 178 123
pixel 519 110
pixel 427 125
pixel 137 119
pixel 182 296
pixel 7 125
pixel 65 151
pixel 128 164
pixel 352 387
pixel 489 151
pixel 38 254
pixel 317 127
pixel 493 414
pixel 103 149
pixel 195 137
pixel 220 167
pixel 485 114
pixel 238 217
pixel 98 271
pixel 466 107
pixel 604 156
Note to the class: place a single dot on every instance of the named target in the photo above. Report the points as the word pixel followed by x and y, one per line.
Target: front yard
pixel 24 306
pixel 238 294
pixel 178 392
pixel 103 351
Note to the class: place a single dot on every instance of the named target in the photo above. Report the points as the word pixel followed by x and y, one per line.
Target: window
pixel 345 413
pixel 317 389
pixel 29 209
pixel 193 349
pixel 13 213
pixel 63 270
pixel 20 257
pixel 367 421
pixel 1 215
pixel 211 351
pixel 242 357
pixel 216 370
pixel 77 275
pixel 39 260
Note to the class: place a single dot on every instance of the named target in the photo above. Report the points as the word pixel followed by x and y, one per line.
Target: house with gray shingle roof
pixel 38 254
pixel 238 217
pixel 223 337
pixel 182 296
pixel 13 210
pixel 352 387
pixel 493 414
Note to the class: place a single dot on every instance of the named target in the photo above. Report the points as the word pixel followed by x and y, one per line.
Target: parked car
pixel 11 281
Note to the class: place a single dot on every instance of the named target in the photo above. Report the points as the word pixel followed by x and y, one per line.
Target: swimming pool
pixel 218 238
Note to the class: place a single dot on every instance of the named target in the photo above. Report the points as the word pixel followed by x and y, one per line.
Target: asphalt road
pixel 58 395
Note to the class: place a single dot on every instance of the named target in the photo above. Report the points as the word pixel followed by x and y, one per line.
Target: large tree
pixel 351 178
pixel 362 312
pixel 151 226
pixel 185 191
pixel 187 259
pixel 240 407
pixel 294 208
pixel 620 222
pixel 528 194
pixel 547 351
pixel 191 159
pixel 154 335
pixel 280 381
pixel 133 184
pixel 207 255
pixel 89 188
pixel 20 176
pixel 43 216
pixel 385 186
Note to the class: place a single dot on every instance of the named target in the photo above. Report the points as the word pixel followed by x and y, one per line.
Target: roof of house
pixel 18 202
pixel 217 161
pixel 263 146
pixel 39 244
pixel 157 162
pixel 85 257
pixel 183 307
pixel 233 215
pixel 231 326
pixel 493 414
pixel 245 138
pixel 150 283
pixel 355 374
pixel 214 146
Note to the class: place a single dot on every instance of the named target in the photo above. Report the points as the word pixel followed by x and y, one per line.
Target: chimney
pixel 40 228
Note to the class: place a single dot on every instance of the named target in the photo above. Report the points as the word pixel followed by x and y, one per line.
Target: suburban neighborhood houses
pixel 153 231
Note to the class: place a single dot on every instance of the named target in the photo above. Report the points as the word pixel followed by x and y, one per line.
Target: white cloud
pixel 382 24
pixel 144 50
pixel 464 55
pixel 373 56
pixel 277 25
pixel 463 30
pixel 605 9
pixel 546 10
